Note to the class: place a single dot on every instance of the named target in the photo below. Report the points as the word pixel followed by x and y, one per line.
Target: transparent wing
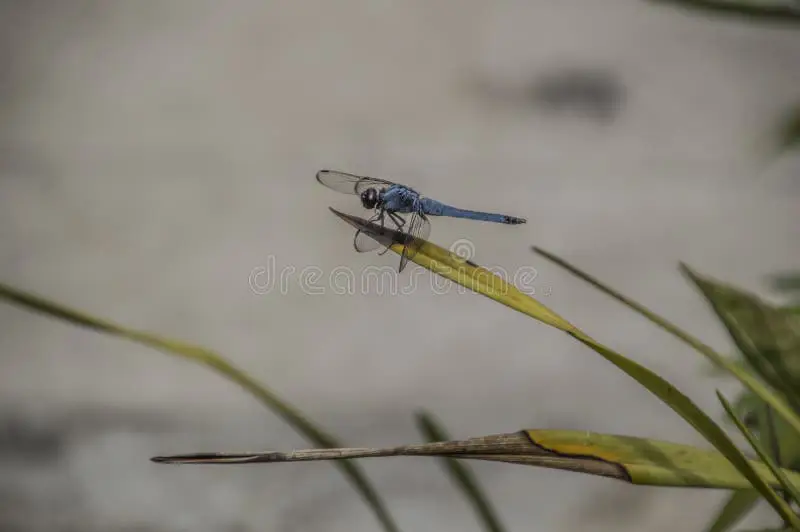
pixel 350 183
pixel 363 242
pixel 418 228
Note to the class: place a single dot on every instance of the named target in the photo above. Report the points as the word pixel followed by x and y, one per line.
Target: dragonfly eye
pixel 369 198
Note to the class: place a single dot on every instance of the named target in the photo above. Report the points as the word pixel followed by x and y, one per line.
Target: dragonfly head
pixel 369 198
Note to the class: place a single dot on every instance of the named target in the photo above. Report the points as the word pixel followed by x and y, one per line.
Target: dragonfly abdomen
pixel 436 208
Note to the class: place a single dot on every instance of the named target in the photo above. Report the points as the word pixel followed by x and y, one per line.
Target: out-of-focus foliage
pixel 751 11
pixel 433 431
pixel 219 364
pixel 789 134
pixel 771 338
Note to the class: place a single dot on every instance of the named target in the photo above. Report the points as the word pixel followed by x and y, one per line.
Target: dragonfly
pixel 392 202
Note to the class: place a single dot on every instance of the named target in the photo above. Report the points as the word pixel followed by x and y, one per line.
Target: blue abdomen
pixel 436 208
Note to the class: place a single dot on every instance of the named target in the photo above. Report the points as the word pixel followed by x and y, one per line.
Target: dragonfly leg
pixel 383 212
pixel 379 216
pixel 397 219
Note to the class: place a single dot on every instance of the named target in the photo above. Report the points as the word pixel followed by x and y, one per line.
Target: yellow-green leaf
pixel 466 273
pixel 484 282
pixel 630 459
pixel 209 358
pixel 733 367
pixel 638 307
pixel 655 462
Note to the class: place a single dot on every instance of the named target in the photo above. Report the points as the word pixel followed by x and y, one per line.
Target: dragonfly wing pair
pixel 417 227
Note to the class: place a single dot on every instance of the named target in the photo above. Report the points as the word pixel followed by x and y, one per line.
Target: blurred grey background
pixel 154 154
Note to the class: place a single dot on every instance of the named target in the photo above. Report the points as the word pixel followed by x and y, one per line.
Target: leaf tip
pixel 690 273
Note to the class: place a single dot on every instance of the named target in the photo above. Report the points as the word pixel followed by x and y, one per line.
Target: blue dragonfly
pixel 390 201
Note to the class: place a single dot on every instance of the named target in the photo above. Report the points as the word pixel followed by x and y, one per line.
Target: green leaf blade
pixel 771 496
pixel 774 349
pixel 789 137
pixel 731 366
pixel 768 337
pixel 635 460
pixel 464 479
pixel 214 361
pixel 738 505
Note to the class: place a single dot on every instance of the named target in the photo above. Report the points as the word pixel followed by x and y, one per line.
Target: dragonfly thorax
pixel 370 198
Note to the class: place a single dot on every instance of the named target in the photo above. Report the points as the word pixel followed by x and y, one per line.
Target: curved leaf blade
pixel 654 462
pixel 686 408
pixel 634 460
pixel 731 366
pixel 484 282
pixel 630 303
pixel 447 264
pixel 214 361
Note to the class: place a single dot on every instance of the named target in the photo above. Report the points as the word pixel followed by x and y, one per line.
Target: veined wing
pixel 418 228
pixel 364 242
pixel 350 183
